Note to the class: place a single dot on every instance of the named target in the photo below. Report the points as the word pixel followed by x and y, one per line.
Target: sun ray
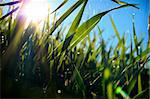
pixel 36 10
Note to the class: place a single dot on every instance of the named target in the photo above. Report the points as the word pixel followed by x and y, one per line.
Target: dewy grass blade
pixel 141 93
pixel 87 26
pixel 63 3
pixel 83 30
pixel 65 15
pixel 73 28
pixel 10 13
pixel 76 21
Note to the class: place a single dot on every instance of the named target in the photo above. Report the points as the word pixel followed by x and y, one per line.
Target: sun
pixel 36 10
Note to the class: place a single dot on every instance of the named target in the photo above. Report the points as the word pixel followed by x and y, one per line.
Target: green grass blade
pixel 65 15
pixel 63 3
pixel 76 21
pixel 123 3
pixel 139 83
pixel 73 27
pixel 139 94
pixel 100 31
pixel 115 28
pixel 9 13
pixel 131 85
pixel 79 80
pixel 83 30
pixel 1 12
pixel 135 36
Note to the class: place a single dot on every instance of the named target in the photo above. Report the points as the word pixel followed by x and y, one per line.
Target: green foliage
pixel 37 64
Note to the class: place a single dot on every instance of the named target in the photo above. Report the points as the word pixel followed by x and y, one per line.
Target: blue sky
pixel 122 17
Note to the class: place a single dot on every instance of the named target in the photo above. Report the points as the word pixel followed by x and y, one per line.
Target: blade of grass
pixel 63 3
pixel 131 85
pixel 76 21
pixel 79 80
pixel 139 94
pixel 65 15
pixel 9 13
pixel 10 3
pixel 73 27
pixel 123 3
pixel 115 28
pixel 87 26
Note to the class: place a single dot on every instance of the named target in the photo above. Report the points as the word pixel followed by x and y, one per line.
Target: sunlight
pixel 36 10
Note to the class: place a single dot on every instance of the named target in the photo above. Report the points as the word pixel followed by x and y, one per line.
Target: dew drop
pixel 139 47
pixel 133 14
pixel 44 91
pixel 141 65
pixel 20 74
pixel 2 37
pixel 65 72
pixel 118 66
pixel 67 69
pixel 113 61
pixel 16 80
pixel 23 74
pixel 59 91
pixel 62 75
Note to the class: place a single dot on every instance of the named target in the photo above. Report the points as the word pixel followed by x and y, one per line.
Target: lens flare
pixel 36 10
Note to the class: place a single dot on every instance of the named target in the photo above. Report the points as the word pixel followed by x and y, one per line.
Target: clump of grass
pixel 41 66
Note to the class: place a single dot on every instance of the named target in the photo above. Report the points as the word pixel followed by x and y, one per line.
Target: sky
pixel 122 18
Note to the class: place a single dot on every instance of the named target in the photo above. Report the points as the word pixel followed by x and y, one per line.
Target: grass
pixel 36 64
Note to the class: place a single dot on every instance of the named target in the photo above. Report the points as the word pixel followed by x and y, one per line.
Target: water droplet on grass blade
pixel 90 84
pixel 62 75
pixel 133 14
pixel 139 47
pixel 113 61
pixel 20 74
pixel 118 66
pixel 65 72
pixel 16 80
pixel 2 37
pixel 23 74
pixel 67 69
pixel 141 65
pixel 44 91
pixel 59 91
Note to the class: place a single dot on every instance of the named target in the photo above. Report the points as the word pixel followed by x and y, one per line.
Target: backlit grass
pixel 36 63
